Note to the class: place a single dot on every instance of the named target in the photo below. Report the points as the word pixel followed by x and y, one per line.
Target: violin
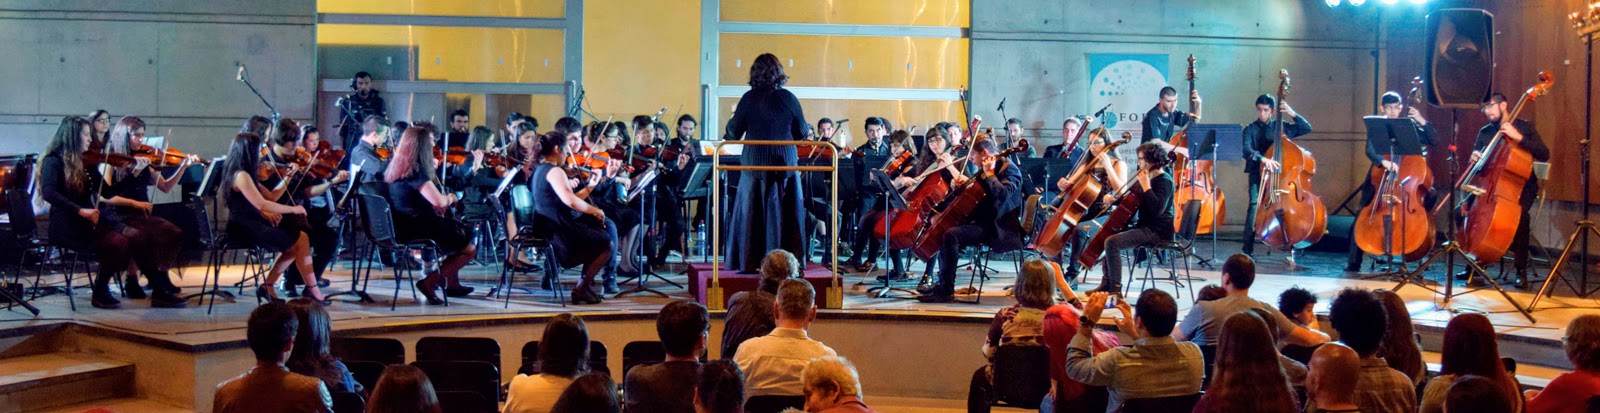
pixel 324 164
pixel 899 162
pixel 96 156
pixel 169 156
pixel 456 155
pixel 1291 215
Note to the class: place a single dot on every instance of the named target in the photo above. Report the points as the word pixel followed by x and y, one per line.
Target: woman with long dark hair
pixel 70 186
pixel 419 204
pixel 1248 376
pixel 403 389
pixel 1469 348
pixel 767 212
pixel 580 231
pixel 317 196
pixel 100 124
pixel 1400 347
pixel 592 393
pixel 311 355
pixel 155 243
pixel 255 217
pixel 563 357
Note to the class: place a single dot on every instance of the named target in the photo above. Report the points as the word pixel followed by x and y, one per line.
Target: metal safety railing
pixel 835 293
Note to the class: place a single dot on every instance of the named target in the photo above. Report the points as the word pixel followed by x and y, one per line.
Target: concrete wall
pixel 1034 53
pixel 171 63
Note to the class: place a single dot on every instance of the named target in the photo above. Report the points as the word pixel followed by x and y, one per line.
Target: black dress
pixel 415 219
pixel 151 237
pixel 246 226
pixel 67 229
pixel 768 211
pixel 577 238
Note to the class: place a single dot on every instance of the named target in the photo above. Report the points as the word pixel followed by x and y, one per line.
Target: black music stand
pixel 646 183
pixel 1395 137
pixel 892 200
pixel 695 188
pixel 1211 138
pixel 22 174
pixel 210 184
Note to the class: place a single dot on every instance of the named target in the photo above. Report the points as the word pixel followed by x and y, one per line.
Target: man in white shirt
pixel 772 363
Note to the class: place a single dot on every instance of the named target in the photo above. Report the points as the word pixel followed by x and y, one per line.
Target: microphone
pixel 1102 110
pixel 240 76
pixel 1002 107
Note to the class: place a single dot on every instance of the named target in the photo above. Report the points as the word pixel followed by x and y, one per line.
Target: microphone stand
pixel 246 80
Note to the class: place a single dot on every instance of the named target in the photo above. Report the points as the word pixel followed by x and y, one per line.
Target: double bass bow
pixel 1492 188
pixel 1398 222
pixel 1195 180
pixel 1292 216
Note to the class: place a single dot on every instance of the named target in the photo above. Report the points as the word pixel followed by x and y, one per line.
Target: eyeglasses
pixel 103 120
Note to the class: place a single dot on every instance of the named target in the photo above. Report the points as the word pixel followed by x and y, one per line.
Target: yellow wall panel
pixel 902 114
pixel 464 54
pixel 640 56
pixel 850 61
pixel 947 13
pixel 483 8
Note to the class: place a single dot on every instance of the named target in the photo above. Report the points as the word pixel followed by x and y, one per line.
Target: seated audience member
pixel 563 356
pixel 1204 323
pixel 719 388
pixel 1361 321
pixel 1469 348
pixel 1060 326
pixel 1291 368
pixel 1248 375
pixel 669 386
pixel 1299 305
pixel 1335 369
pixel 750 312
pixel 831 385
pixel 1021 324
pixel 403 389
pixel 1400 347
pixel 311 356
pixel 1569 391
pixel 591 393
pixel 1211 292
pixel 270 386
pixel 772 363
pixel 1478 394
pixel 1155 366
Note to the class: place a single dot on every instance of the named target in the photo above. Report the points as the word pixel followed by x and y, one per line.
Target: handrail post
pixel 835 293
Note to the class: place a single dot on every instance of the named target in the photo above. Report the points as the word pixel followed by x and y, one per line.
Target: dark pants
pixel 954 240
pixel 1250 214
pixel 980 394
pixel 1080 238
pixel 1367 193
pixel 1131 238
pixel 149 243
pixel 670 213
pixel 324 243
pixel 1519 241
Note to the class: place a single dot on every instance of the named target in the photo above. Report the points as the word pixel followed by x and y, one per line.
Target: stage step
pixel 44 381
pixel 119 406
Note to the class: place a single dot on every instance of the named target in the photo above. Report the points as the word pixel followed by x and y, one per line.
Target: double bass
pixel 1398 221
pixel 1291 215
pixel 1195 180
pixel 1492 188
pixel 1081 194
pixel 963 200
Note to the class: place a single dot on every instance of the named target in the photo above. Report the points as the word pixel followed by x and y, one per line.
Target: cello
pixel 1126 205
pixel 1493 188
pixel 1291 216
pixel 931 187
pixel 1195 180
pixel 1399 201
pixel 962 202
pixel 1082 193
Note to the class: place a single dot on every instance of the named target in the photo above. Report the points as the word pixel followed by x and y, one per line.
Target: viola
pixel 1291 216
pixel 1397 222
pixel 964 200
pixel 1083 190
pixel 1492 189
pixel 1195 181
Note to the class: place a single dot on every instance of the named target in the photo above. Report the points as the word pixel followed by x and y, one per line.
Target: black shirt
pixel 364 159
pixel 1531 141
pixel 1258 139
pixel 1155 205
pixel 1161 126
pixel 406 196
pixel 662 387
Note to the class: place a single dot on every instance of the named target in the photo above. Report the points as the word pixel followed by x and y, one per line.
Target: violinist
pixel 1013 134
pixel 419 203
pixel 1111 173
pixel 522 156
pixel 900 142
pixel 1153 221
pixel 579 231
pixel 1069 129
pixel 995 222
pixel 1392 105
pixel 1524 135
pixel 155 243
pixel 256 218
pixel 316 195
pixel 356 107
pixel 69 183
pixel 257 124
pixel 958 141
pixel 364 159
pixel 100 121
pixel 1163 120
pixel 669 174
pixel 1257 140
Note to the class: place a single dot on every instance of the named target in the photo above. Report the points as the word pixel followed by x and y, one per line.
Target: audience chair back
pixel 1208 354
pixel 365 372
pixel 465 402
pixel 459 349
pixel 1161 404
pixel 464 376
pixel 598 358
pixel 1021 375
pixel 641 353
pixel 1594 404
pixel 382 350
pixel 344 402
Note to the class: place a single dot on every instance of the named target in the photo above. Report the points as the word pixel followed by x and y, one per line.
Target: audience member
pixel 1291 368
pixel 669 386
pixel 1299 305
pixel 831 385
pixel 1061 324
pixel 403 389
pixel 772 363
pixel 719 388
pixel 1335 369
pixel 1155 366
pixel 1211 292
pixel 1248 375
pixel 311 356
pixel 1360 319
pixel 750 312
pixel 1204 323
pixel 1021 324
pixel 1477 394
pixel 563 356
pixel 1469 348
pixel 270 386
pixel 591 393
pixel 1570 391
pixel 1400 347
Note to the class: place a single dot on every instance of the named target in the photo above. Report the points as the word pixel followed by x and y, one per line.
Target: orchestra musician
pixel 1014 133
pixel 523 156
pixel 1257 140
pixel 1391 104
pixel 1111 173
pixel 1526 136
pixel 255 217
pixel 1163 120
pixel 154 242
pixel 579 231
pixel 100 121
pixel 364 159
pixel 768 211
pixel 1069 129
pixel 69 185
pixel 316 195
pixel 419 206
pixel 356 107
pixel 995 222
pixel 1152 222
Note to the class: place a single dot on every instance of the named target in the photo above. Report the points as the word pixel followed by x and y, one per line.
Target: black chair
pixel 642 353
pixel 597 358
pixel 1021 375
pixel 219 244
pixel 533 235
pixel 459 349
pixel 465 402
pixel 379 224
pixel 466 376
pixel 1208 355
pixel 1594 405
pixel 20 204
pixel 348 403
pixel 1182 403
pixel 384 351
pixel 365 372
pixel 773 404
pixel 1178 249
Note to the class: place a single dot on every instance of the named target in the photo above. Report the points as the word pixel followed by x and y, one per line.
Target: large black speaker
pixel 1460 66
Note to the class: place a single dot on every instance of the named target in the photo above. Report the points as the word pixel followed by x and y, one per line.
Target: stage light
pixel 1418 2
pixel 1390 1
pixel 1333 3
pixel 1357 3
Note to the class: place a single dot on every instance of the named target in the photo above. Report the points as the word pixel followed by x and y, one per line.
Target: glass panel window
pixel 479 8
pixel 945 13
pixel 457 54
pixel 850 61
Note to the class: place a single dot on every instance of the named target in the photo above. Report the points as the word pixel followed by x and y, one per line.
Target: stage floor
pixel 1320 273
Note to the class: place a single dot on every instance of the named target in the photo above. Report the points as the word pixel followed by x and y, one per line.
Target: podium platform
pixel 732 282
